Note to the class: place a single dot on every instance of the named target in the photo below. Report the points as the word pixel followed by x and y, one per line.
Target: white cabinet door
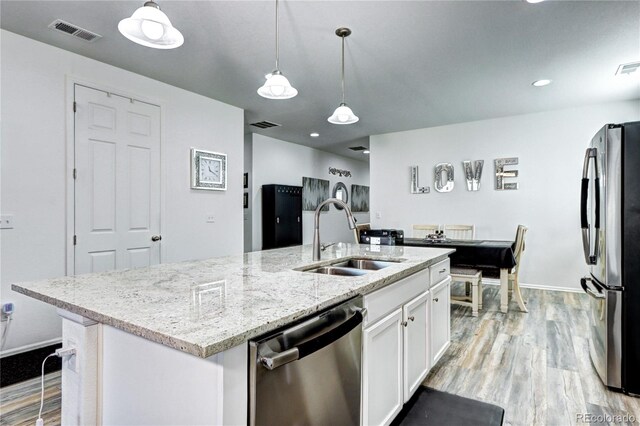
pixel 382 370
pixel 440 319
pixel 417 356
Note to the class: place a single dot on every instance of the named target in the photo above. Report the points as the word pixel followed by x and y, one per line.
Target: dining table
pixel 486 255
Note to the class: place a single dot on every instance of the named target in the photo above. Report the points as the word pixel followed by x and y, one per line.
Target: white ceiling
pixel 410 64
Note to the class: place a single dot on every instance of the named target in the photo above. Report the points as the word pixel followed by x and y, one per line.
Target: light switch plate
pixel 6 221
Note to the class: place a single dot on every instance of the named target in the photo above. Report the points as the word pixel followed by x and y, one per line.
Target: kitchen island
pixel 199 316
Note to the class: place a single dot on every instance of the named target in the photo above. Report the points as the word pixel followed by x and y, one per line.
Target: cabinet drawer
pixel 383 301
pixel 440 271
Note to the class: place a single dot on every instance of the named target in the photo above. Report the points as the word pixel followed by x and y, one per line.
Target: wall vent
pixel 265 124
pixel 74 30
pixel 358 148
pixel 626 69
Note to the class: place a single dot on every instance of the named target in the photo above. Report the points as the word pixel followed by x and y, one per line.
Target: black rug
pixel 431 407
pixel 27 365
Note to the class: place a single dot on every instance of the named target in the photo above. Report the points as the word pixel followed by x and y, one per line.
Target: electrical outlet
pixel 6 221
pixel 71 361
pixel 7 310
pixel 211 219
pixel 378 215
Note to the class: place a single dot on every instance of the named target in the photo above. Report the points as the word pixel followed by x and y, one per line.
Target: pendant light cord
pixel 277 41
pixel 342 68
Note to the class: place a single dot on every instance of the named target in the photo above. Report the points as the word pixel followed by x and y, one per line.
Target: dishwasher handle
pixel 313 345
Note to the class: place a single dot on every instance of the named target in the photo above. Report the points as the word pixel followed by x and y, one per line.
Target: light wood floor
pixel 536 366
pixel 20 403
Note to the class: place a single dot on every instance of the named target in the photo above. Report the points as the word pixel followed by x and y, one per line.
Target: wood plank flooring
pixel 20 403
pixel 536 366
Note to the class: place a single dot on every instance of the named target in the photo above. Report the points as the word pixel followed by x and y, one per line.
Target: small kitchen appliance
pixel 385 237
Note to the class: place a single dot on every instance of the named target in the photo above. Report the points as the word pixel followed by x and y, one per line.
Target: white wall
pixel 550 146
pixel 34 132
pixel 285 163
pixel 248 168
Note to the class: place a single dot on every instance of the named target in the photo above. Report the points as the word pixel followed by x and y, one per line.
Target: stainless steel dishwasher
pixel 309 373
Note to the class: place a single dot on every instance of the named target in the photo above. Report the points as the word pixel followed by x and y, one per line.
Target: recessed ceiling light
pixel 541 83
pixel 314 134
pixel 535 1
pixel 366 151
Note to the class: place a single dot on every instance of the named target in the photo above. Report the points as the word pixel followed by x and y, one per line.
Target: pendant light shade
pixel 277 86
pixel 150 27
pixel 343 114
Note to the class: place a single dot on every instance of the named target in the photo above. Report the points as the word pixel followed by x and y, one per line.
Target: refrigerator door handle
pixel 591 153
pixel 585 287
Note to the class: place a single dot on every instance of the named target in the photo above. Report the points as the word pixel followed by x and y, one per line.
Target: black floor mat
pixel 431 407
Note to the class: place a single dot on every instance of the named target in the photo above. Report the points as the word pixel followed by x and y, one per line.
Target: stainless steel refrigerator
pixel 610 220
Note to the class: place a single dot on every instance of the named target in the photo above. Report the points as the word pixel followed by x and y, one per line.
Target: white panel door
pixel 440 319
pixel 117 185
pixel 382 370
pixel 417 355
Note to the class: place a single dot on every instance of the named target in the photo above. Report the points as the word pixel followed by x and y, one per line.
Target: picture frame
pixel 246 200
pixel 208 170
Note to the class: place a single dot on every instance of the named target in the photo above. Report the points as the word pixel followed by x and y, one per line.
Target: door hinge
pixel 75 173
pixel 75 240
pixel 74 106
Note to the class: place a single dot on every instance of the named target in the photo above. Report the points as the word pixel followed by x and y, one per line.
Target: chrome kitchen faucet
pixel 316 232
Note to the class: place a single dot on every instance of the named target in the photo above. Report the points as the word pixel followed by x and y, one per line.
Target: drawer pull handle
pixel 443 270
pixel 435 300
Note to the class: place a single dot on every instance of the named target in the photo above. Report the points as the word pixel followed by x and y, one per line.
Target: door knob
pixel 411 318
pixel 435 300
pixel 156 238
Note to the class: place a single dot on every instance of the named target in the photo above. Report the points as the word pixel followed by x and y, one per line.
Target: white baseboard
pixel 30 347
pixel 494 281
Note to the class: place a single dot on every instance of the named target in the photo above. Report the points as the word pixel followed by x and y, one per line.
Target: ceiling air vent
pixel 626 69
pixel 265 124
pixel 74 30
pixel 358 148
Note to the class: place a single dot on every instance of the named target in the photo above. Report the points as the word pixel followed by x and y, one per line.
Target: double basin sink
pixel 354 267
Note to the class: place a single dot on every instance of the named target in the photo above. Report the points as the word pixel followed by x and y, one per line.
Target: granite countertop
pixel 205 307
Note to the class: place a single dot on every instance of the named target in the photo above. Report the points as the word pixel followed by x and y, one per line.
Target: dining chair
pixel 460 232
pixel 471 278
pixel 360 227
pixel 514 282
pixel 421 231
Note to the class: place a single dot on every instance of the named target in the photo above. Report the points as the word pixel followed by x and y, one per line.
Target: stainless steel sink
pixel 366 264
pixel 337 270
pixel 354 267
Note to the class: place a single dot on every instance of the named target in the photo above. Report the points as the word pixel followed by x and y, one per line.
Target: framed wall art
pixel 314 191
pixel 359 198
pixel 208 170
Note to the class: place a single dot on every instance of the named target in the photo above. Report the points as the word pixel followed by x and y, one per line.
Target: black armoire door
pixel 281 216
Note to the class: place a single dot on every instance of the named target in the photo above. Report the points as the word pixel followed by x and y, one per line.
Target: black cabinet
pixel 281 216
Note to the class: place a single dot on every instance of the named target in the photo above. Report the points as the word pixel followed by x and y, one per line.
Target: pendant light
pixel 150 27
pixel 277 86
pixel 343 114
